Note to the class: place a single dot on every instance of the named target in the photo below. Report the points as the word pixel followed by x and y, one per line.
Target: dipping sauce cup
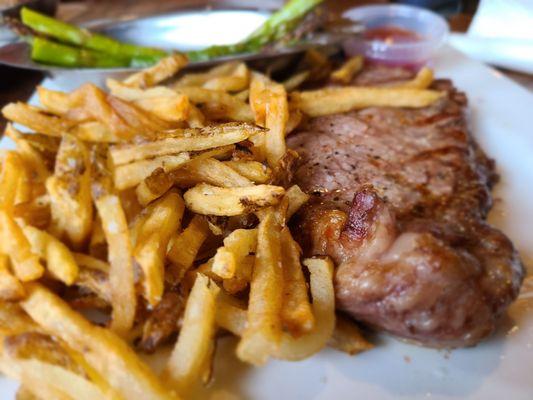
pixel 397 35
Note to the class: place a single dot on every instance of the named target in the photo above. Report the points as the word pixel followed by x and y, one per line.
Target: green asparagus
pixel 274 28
pixel 82 48
pixel 73 35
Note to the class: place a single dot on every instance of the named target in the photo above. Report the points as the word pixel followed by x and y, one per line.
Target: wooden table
pixel 18 85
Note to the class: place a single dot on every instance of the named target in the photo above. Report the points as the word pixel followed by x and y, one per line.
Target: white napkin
pixel 501 34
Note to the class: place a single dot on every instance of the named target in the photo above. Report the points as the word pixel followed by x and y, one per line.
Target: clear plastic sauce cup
pixel 397 35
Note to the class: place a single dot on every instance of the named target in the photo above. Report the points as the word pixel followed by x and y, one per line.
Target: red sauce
pixel 392 34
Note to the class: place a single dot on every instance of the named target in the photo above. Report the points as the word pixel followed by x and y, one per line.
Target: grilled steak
pixel 399 201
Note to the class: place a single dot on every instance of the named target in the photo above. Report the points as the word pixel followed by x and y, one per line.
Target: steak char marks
pixel 399 201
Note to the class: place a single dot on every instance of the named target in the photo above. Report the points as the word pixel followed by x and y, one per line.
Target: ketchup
pixel 391 34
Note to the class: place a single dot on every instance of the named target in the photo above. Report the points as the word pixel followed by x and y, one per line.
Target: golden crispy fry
pixel 253 170
pixel 36 119
pixel 242 277
pixel 242 95
pixel 231 315
pixel 262 336
pixel 196 118
pixel 25 264
pixel 51 379
pixel 237 245
pixel 10 180
pixel 321 270
pixel 161 101
pixel 269 104
pixel 295 80
pixel 348 70
pixel 164 69
pixel 210 171
pixel 14 320
pixel 217 104
pixel 185 245
pixel 348 338
pixel 130 175
pixel 198 79
pixel 70 191
pixel 195 342
pixel 59 260
pixel 87 261
pixel 95 131
pixel 297 198
pixel 163 218
pixel 296 314
pixel 95 281
pixel 101 349
pixel 423 80
pixel 159 181
pixel 10 287
pixel 121 274
pixel 184 140
pixel 210 200
pixel 30 155
pixel 343 99
pixel 317 64
pixel 236 81
pixel 25 393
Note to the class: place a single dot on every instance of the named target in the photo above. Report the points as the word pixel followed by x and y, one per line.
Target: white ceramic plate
pixel 499 368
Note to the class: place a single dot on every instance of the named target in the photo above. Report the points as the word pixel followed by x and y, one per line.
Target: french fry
pixel 10 179
pixel 297 198
pixel 195 342
pixel 262 336
pixel 210 200
pixel 14 320
pixel 218 104
pixel 293 349
pixel 348 338
pixel 121 274
pixel 24 262
pixel 162 220
pixel 242 276
pixel 253 170
pixel 29 154
pixel 236 81
pixel 36 119
pixel 185 246
pixel 422 80
pixel 159 181
pixel 95 131
pixel 51 379
pixel 348 70
pixel 237 245
pixel 295 80
pixel 130 175
pixel 184 140
pixel 163 70
pixel 210 171
pixel 296 314
pixel 198 79
pixel 161 101
pixel 102 350
pixel 231 315
pixel 59 260
pixel 10 287
pixel 70 191
pixel 269 104
pixel 343 99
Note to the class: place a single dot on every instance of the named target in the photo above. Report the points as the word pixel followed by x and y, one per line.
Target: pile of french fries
pixel 150 215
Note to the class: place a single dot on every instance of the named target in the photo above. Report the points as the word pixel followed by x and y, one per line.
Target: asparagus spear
pixel 48 52
pixel 274 28
pixel 71 34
